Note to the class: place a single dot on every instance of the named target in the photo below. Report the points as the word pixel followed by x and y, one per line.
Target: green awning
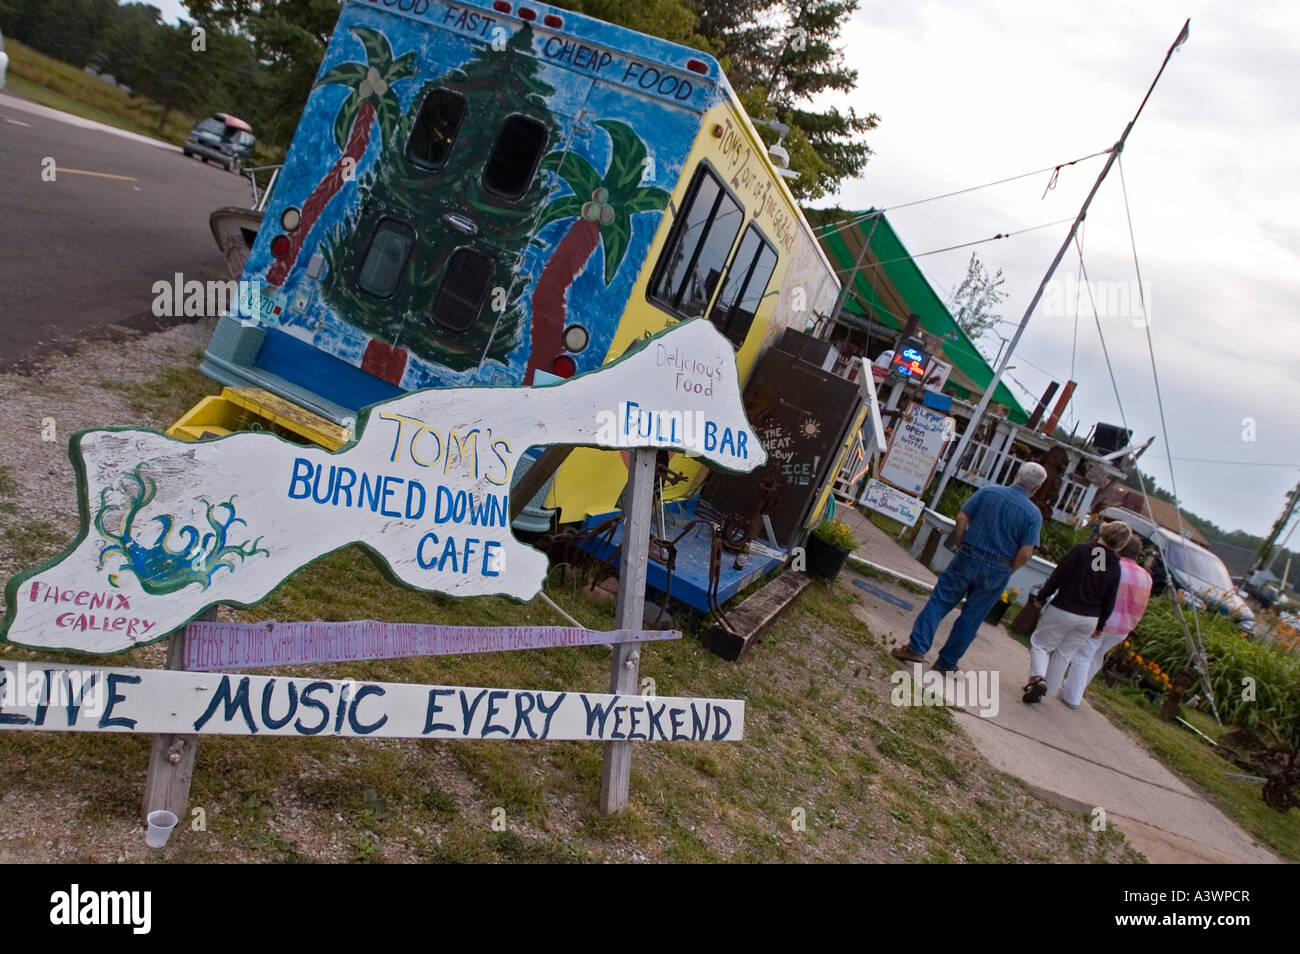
pixel 889 287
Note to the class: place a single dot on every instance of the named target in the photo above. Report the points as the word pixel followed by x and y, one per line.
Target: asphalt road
pixel 83 252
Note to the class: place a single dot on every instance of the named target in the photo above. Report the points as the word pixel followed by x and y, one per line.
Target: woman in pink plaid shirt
pixel 1130 604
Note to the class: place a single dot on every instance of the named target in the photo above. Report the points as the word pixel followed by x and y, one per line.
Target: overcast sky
pixel 970 92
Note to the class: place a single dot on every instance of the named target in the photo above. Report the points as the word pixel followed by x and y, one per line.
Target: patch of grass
pixel 33 542
pixel 62 86
pixel 167 395
pixel 889 526
pixel 8 487
pixel 366 850
pixel 512 847
pixel 970 835
pixel 503 781
pixel 1196 761
pixel 874 573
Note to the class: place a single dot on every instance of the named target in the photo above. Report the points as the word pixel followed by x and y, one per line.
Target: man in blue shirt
pixel 997 530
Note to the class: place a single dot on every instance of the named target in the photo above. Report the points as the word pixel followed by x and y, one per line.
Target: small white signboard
pixel 893 503
pixel 914 450
pixel 171 528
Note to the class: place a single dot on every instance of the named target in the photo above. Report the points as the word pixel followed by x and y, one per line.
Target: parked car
pixel 222 138
pixel 4 61
pixel 1190 567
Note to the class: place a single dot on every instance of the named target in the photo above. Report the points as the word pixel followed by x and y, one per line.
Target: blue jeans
pixel 981 581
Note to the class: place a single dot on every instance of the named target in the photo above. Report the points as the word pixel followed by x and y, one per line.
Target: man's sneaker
pixel 906 654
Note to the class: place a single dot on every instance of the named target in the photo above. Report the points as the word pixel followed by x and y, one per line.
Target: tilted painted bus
pixel 479 192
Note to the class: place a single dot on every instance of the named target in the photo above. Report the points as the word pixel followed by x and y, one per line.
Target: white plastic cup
pixel 161 823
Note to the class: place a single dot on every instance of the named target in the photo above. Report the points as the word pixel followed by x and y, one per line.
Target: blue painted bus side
pixel 604 95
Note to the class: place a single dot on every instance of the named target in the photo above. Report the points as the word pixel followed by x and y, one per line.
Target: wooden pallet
pixel 752 617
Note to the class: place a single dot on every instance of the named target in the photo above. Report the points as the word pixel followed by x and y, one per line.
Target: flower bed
pixel 1255 683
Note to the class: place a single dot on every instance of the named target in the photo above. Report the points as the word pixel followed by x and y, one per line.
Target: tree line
pixel 259 58
pixel 188 67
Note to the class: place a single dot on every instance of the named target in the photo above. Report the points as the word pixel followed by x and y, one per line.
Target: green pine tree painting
pixel 495 83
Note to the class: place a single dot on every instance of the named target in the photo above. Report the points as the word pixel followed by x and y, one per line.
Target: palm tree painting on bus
pixel 602 210
pixel 371 101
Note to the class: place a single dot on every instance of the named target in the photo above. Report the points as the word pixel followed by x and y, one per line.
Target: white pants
pixel 1107 642
pixel 1060 640
pixel 1078 677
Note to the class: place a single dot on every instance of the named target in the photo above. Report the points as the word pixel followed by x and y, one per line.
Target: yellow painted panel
pixel 803 284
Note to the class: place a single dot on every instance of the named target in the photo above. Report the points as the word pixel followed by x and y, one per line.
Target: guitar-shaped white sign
pixel 171 528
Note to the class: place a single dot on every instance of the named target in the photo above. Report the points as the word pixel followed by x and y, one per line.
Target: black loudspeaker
pixel 813 350
pixel 1108 438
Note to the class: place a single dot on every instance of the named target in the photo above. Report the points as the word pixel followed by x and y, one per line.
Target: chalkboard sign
pixel 800 414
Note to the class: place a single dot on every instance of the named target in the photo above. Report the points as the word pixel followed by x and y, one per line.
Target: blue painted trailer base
pixel 690 578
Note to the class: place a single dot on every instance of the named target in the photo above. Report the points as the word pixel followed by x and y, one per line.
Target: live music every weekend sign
pixel 52 697
pixel 172 528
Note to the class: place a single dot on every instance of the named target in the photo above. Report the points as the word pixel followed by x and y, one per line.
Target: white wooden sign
pixel 172 528
pixel 914 450
pixel 215 645
pixel 877 425
pixel 49 697
pixel 892 503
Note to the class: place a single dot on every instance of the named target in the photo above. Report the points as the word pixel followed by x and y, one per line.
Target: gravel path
pixel 42 408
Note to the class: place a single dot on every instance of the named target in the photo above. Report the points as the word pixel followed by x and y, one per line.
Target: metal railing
pixel 983 464
pixel 259 200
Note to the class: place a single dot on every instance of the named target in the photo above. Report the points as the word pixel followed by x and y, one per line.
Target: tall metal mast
pixel 969 433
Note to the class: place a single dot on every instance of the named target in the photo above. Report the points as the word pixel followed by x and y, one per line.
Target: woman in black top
pixel 1081 591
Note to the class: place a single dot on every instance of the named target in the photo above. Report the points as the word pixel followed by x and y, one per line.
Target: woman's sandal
pixel 1035 689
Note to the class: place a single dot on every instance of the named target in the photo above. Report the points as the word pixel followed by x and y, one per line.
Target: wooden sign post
pixel 171 760
pixel 221 647
pixel 625 665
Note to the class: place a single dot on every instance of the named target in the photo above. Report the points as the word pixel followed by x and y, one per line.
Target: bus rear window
pixel 751 272
pixel 691 264
pixel 513 162
pixel 386 257
pixel 436 128
pixel 464 286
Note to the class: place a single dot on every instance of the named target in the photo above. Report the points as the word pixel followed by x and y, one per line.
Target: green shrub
pixel 1056 538
pixel 954 495
pixel 1232 658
